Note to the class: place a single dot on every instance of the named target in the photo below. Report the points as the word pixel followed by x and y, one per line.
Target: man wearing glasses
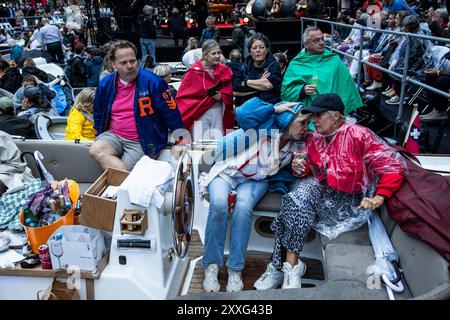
pixel 316 70
pixel 133 111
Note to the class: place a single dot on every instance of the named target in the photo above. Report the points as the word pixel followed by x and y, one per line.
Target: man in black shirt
pixel 177 27
pixel 148 36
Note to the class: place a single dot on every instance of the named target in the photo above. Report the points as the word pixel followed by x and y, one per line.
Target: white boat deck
pixel 436 163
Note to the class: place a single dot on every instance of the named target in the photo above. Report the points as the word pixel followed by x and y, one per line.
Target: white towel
pixel 148 181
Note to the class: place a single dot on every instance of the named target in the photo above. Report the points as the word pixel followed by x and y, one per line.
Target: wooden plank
pixel 90 293
pixel 60 273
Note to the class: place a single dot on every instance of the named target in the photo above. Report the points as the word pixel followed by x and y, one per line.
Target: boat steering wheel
pixel 183 205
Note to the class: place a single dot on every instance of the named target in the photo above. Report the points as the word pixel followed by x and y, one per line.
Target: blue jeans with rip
pixel 148 49
pixel 248 195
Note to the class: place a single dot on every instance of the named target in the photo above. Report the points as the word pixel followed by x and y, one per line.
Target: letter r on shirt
pixel 145 103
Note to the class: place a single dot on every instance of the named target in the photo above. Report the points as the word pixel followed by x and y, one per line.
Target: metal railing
pixel 404 78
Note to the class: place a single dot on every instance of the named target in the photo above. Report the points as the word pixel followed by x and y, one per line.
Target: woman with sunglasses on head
pixel 246 162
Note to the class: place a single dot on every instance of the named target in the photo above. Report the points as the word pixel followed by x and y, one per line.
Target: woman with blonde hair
pixel 107 67
pixel 80 123
pixel 205 96
pixel 163 71
pixel 192 44
pixel 248 169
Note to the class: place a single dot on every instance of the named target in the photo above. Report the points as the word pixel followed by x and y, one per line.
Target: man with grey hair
pixel 437 22
pixel 211 31
pixel 316 70
pixel 147 30
pixel 51 39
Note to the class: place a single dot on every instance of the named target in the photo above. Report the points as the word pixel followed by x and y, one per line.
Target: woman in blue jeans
pixel 245 171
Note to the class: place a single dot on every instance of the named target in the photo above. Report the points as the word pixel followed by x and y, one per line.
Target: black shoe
pixel 30 262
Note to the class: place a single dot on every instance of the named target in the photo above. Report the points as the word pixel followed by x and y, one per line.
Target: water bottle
pixel 29 218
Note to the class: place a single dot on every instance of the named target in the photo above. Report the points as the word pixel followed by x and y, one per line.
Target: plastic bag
pixel 60 100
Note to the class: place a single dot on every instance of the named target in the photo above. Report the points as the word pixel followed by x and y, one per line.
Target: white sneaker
pixel 293 275
pixel 234 281
pixel 270 279
pixel 393 100
pixel 374 86
pixel 211 282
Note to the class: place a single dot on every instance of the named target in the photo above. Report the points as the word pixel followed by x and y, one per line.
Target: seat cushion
pixel 270 202
pixel 348 261
pixel 423 267
pixel 63 159
pixel 344 262
pixel 359 236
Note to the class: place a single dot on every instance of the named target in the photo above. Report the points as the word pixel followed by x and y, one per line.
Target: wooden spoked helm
pixel 183 205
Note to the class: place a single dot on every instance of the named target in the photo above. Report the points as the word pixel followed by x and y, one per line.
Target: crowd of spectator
pixel 256 71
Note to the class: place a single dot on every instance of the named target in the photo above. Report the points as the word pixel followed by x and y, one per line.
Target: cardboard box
pixel 79 246
pixel 98 212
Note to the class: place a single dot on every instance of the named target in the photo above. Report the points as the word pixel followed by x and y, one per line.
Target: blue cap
pixel 284 119
pixel 58 236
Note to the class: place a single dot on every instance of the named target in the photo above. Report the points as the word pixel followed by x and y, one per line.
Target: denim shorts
pixel 128 150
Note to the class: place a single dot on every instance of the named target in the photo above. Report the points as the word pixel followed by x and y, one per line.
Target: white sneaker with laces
pixel 293 275
pixel 211 282
pixel 234 281
pixel 393 100
pixel 270 279
pixel 375 85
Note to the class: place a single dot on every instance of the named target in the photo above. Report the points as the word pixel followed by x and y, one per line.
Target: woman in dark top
pixel 260 76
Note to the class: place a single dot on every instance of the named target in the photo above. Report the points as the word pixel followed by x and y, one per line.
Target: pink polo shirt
pixel 122 120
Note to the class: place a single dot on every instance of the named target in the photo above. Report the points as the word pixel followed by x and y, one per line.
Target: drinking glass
pixel 57 250
pixel 299 151
pixel 315 79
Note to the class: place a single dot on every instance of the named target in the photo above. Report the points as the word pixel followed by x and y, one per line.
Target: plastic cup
pixel 314 80
pixel 299 152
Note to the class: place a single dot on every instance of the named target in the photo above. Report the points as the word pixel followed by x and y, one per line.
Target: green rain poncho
pixel 333 77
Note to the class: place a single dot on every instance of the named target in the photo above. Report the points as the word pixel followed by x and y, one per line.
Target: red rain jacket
pixel 192 98
pixel 350 160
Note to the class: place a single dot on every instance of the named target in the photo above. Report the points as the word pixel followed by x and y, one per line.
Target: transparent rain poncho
pixel 347 167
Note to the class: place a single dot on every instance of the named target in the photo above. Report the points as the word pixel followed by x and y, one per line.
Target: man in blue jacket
pixel 133 111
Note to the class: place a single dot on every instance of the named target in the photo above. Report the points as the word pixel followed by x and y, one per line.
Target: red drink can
pixel 231 201
pixel 44 256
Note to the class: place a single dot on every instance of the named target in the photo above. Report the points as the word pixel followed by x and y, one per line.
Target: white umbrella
pixel 386 257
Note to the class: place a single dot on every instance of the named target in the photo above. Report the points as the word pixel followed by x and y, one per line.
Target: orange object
pixel 39 236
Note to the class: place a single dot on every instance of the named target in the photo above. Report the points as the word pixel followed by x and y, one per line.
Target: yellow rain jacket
pixel 79 126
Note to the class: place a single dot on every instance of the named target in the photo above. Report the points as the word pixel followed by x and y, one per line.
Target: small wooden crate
pixel 133 221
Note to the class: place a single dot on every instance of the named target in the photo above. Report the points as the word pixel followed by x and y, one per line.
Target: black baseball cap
pixel 325 102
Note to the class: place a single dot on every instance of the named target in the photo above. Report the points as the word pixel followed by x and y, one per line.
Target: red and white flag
pixel 411 143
